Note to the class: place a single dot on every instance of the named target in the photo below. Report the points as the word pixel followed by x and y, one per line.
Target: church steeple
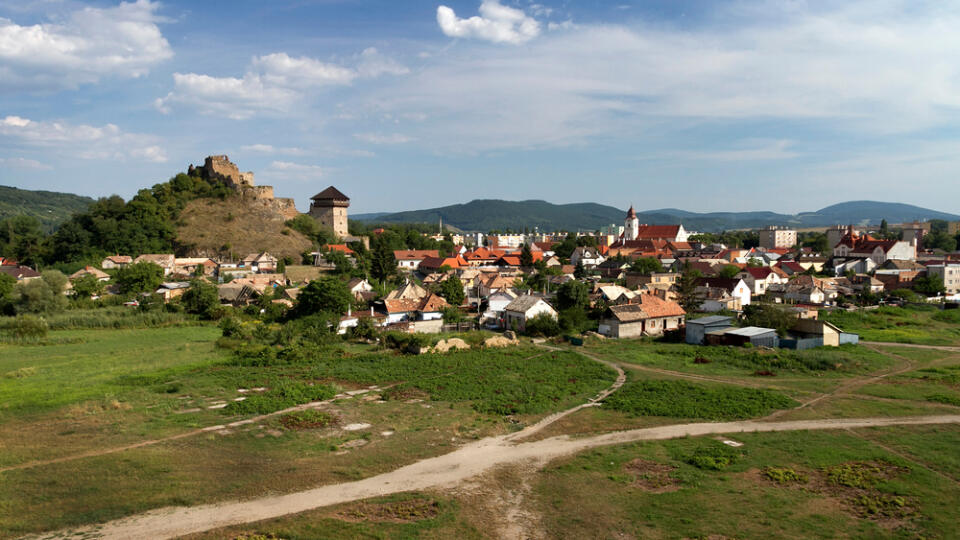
pixel 631 225
pixel 631 214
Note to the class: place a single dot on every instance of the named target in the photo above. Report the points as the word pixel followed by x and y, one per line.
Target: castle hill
pixel 480 270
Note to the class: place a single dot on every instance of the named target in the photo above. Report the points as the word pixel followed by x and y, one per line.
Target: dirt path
pixel 911 345
pixel 440 472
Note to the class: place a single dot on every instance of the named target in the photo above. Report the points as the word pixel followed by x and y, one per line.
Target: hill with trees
pixel 493 214
pixel 48 207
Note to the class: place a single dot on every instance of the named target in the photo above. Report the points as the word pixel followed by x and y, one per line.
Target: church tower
pixel 631 225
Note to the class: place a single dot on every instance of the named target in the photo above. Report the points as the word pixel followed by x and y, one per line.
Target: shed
pixel 697 328
pixel 755 335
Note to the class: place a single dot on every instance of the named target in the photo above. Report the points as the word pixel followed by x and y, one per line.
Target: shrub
pixel 29 328
pixel 543 324
pixel 784 475
pixel 283 395
pixel 714 456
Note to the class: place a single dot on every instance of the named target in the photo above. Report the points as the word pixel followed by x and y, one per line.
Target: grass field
pixel 86 390
pixel 924 325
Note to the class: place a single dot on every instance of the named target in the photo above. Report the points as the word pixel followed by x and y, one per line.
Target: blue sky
pixel 707 106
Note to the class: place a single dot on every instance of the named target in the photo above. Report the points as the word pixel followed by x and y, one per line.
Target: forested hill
pixel 49 207
pixel 491 214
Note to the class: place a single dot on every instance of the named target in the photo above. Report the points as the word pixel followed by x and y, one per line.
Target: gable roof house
pixel 650 316
pixel 20 273
pixel 408 291
pixel 587 256
pixel 854 245
pixel 522 309
pixel 427 308
pixel 260 262
pixel 410 259
pixel 713 289
pixel 759 278
pixel 115 261
pixel 164 260
pixel 90 270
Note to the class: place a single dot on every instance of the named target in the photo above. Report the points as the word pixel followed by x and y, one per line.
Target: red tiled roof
pixel 414 254
pixel 339 247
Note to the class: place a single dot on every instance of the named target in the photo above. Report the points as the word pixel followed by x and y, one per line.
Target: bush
pixel 29 328
pixel 714 456
pixel 784 475
pixel 543 324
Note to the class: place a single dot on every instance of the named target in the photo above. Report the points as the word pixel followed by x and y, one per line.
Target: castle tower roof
pixel 631 214
pixel 330 194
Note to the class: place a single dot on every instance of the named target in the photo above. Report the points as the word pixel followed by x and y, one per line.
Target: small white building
pixel 517 313
pixel 587 256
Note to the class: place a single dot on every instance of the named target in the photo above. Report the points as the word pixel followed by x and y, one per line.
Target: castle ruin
pixel 222 169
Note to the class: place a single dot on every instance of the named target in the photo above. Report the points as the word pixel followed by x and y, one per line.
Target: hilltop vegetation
pixel 48 207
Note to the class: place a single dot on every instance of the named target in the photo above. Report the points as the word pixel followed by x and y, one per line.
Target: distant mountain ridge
pixel 49 207
pixel 493 214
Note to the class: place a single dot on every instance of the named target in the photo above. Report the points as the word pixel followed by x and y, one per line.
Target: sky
pixel 786 106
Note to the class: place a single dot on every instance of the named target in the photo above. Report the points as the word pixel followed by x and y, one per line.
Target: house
pixel 759 278
pixel 434 264
pixel 494 283
pixel 92 271
pixel 650 316
pixel 799 292
pixel 613 268
pixel 863 282
pixel 360 288
pixel 427 308
pixel 163 260
pixel 115 261
pixel 260 262
pixel 409 259
pixel 408 291
pixel 497 302
pixel 697 329
pixel 172 289
pixel 20 273
pixel 950 273
pixel 734 287
pixel 714 299
pixel 188 266
pixel 522 309
pixel 616 294
pixel 854 245
pixel 236 294
pixel 656 280
pixel 587 256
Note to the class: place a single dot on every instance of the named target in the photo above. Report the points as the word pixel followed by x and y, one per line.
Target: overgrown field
pixel 925 325
pixel 681 399
pixel 821 484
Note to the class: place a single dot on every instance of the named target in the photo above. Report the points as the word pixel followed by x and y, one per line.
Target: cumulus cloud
pixel 858 67
pixel 272 83
pixel 290 170
pixel 496 23
pixel 107 142
pixel 91 43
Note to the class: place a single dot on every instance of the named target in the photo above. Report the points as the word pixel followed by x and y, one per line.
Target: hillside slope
pixel 49 207
pixel 237 225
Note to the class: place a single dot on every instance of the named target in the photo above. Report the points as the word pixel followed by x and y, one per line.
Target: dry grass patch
pixel 651 476
pixel 308 419
pixel 407 511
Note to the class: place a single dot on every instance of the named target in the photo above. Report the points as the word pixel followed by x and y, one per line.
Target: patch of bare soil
pixel 405 393
pixel 651 476
pixel 407 511
pixel 308 419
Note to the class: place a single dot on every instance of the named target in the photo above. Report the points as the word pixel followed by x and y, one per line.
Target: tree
pixel 452 290
pixel 526 256
pixel 646 265
pixel 767 315
pixel 929 285
pixel 382 264
pixel 281 266
pixel 579 271
pixel 44 295
pixel 139 277
pixel 86 286
pixel 327 294
pixel 201 299
pixel 573 294
pixel 728 271
pixel 686 288
pixel 452 315
pixel 754 262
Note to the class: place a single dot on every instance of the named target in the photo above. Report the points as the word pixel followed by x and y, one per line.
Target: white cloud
pixel 107 142
pixel 273 83
pixel 91 43
pixel 859 67
pixel 24 163
pixel 379 138
pixel 270 149
pixel 749 150
pixel 496 23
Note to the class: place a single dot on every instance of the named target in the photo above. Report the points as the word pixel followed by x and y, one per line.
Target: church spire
pixel 630 213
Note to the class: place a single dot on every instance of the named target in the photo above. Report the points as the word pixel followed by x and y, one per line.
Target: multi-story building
pixel 950 274
pixel 777 237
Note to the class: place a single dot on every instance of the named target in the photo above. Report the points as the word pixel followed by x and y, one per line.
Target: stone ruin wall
pixel 221 168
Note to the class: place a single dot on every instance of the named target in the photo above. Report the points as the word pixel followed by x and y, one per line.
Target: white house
pixel 410 259
pixel 517 313
pixel 758 279
pixel 587 256
pixel 497 302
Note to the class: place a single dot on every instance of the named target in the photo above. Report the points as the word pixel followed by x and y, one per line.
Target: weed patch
pixel 403 511
pixel 713 456
pixel 784 475
pixel 284 395
pixel 682 399
pixel 651 476
pixel 310 419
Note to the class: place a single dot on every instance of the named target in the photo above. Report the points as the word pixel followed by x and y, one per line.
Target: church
pixel 636 235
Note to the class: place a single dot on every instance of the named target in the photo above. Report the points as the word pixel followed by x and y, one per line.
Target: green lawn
pixel 925 325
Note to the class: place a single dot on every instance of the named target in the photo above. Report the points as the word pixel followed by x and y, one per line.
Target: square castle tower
pixel 329 207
